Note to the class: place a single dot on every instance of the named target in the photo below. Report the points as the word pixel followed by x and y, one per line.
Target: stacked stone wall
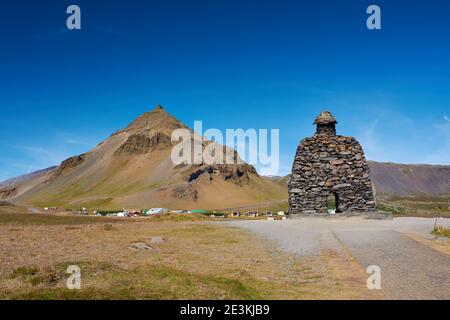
pixel 327 165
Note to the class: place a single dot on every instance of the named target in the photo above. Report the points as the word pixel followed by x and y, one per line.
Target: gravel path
pixel 409 269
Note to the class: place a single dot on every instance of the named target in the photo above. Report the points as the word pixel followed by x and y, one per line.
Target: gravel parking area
pixel 409 269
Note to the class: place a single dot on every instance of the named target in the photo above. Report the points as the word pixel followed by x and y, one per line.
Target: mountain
pixel 133 168
pixel 280 180
pixel 25 177
pixel 394 179
pixel 14 187
pixel 410 179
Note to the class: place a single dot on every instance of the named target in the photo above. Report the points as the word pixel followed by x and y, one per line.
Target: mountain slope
pixel 410 179
pixel 25 177
pixel 14 187
pixel 133 168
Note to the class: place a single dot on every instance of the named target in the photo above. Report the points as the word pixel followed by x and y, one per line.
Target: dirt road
pixel 409 268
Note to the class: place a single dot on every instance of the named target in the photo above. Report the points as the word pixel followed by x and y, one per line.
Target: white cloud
pixel 29 158
pixel 10 169
pixel 79 142
pixel 41 157
pixel 441 155
pixel 75 139
pixel 369 140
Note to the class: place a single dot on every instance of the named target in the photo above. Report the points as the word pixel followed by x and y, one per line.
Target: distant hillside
pixel 410 179
pixel 395 179
pixel 280 180
pixel 133 169
pixel 14 187
pixel 24 177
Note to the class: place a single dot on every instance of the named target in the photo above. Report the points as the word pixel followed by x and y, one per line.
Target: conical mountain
pixel 133 169
pixel 156 120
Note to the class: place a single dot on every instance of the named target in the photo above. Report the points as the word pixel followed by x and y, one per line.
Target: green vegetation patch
pixel 392 209
pixel 441 231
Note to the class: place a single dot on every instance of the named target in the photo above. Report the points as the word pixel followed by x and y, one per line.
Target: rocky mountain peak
pixel 157 120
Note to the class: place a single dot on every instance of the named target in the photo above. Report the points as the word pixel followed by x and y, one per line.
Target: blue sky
pixel 232 64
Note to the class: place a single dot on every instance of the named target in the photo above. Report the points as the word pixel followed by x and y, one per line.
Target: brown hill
pixel 410 179
pixel 133 168
pixel 14 187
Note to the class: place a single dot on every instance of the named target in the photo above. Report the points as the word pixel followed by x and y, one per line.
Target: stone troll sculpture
pixel 327 165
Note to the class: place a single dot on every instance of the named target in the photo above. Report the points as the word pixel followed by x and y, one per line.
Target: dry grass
pixel 197 260
pixel 49 219
pixel 441 245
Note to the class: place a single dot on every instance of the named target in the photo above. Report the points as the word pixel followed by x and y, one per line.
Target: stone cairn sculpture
pixel 328 164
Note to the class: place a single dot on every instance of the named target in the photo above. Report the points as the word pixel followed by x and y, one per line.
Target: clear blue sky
pixel 232 64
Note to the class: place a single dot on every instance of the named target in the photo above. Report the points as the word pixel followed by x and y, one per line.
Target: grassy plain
pixel 191 258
